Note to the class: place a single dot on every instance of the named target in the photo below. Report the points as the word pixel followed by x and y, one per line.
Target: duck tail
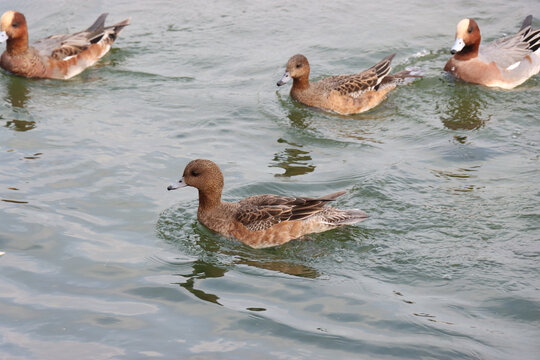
pixel 532 38
pixel 339 217
pixel 119 26
pixel 98 32
pixel 332 197
pixel 403 77
pixel 354 216
pixel 526 23
pixel 98 25
pixel 383 67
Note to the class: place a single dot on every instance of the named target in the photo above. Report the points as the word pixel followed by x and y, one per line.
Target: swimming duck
pixel 504 63
pixel 260 221
pixel 57 56
pixel 344 94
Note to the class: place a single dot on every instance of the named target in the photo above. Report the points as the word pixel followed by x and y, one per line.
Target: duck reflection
pixel 267 259
pixel 461 177
pixel 18 93
pixel 293 160
pixel 205 270
pixel 464 109
pixel 300 118
pixel 282 267
pixel 202 270
pixel 20 125
pixel 215 256
pixel 299 115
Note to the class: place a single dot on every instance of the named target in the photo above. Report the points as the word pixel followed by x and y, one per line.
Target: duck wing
pixel 512 49
pixel 63 46
pixel 355 84
pixel 263 211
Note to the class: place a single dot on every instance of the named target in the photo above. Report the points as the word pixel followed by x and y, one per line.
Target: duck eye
pixel 194 173
pixel 298 66
pixel 470 30
pixel 15 25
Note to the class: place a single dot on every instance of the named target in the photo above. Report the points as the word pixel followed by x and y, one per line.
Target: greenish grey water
pixel 102 262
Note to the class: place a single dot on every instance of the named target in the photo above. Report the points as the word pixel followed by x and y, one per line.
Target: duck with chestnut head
pixel 504 63
pixel 261 221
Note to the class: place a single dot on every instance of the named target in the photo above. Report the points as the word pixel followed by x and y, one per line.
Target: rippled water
pixel 102 262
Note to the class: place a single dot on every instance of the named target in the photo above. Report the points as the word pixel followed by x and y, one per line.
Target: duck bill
pixel 3 36
pixel 284 79
pixel 458 46
pixel 180 184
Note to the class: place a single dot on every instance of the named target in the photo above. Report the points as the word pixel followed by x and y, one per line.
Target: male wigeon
pixel 262 220
pixel 504 63
pixel 57 56
pixel 344 94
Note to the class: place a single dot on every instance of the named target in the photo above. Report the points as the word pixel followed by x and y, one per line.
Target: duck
pixel 504 63
pixel 260 221
pixel 344 94
pixel 57 56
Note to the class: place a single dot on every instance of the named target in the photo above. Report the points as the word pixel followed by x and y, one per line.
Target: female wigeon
pixel 504 63
pixel 344 94
pixel 57 56
pixel 262 220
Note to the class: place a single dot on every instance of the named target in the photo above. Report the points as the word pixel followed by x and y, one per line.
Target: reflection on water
pixel 460 174
pixel 298 114
pixel 359 134
pixel 216 255
pixel 299 118
pixel 205 270
pixel 284 267
pixel 18 93
pixel 202 270
pixel 464 110
pixel 20 125
pixel 460 139
pixel 14 201
pixel 293 160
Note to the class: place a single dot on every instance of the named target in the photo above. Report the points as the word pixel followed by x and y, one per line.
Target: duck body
pixel 262 220
pixel 344 94
pixel 504 63
pixel 57 56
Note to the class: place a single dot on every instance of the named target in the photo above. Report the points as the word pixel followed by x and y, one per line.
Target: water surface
pixel 102 262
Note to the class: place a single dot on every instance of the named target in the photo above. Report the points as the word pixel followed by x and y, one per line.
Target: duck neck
pixel 468 52
pixel 301 83
pixel 17 46
pixel 209 199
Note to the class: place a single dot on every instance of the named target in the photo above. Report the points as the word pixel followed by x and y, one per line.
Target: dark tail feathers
pixel 527 22
pixel 403 77
pixel 530 36
pixel 99 24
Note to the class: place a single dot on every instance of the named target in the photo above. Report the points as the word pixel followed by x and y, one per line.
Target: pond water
pixel 101 262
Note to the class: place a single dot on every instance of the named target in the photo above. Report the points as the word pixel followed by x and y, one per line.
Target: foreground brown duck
pixel 57 56
pixel 344 94
pixel 262 220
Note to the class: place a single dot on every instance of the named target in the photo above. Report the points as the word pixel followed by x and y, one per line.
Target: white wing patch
pixel 513 66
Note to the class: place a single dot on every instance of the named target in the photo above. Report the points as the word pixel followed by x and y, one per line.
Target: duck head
pixel 467 37
pixel 297 69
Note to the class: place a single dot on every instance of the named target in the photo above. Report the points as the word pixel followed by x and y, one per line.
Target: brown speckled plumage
pixel 344 94
pixel 57 56
pixel 261 220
